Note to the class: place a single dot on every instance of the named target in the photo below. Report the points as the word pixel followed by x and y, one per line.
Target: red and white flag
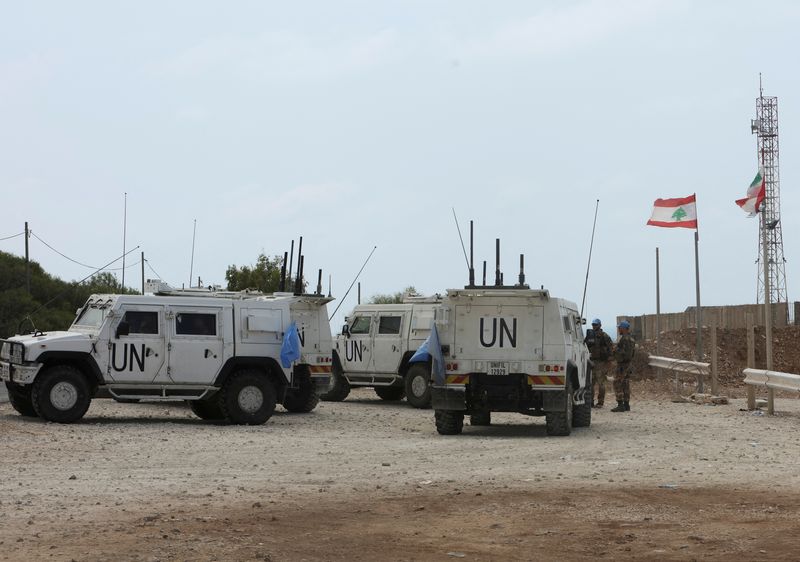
pixel 671 213
pixel 755 195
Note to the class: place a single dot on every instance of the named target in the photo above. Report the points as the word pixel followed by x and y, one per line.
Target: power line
pixel 61 254
pixel 12 236
pixel 153 270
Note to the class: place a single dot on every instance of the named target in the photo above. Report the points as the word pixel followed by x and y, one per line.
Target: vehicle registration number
pixel 497 368
pixel 5 371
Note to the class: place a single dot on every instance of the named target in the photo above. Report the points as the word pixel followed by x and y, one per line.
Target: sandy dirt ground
pixel 372 480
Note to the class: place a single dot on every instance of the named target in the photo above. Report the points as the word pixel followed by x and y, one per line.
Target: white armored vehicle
pixel 374 347
pixel 220 351
pixel 510 349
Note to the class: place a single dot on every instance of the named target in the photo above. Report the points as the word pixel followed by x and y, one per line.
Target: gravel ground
pixel 367 479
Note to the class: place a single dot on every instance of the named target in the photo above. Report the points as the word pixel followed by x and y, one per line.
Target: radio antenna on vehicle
pixel 469 267
pixel 591 245
pixel 354 281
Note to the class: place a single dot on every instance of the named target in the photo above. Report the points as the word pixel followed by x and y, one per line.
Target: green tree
pixel 264 276
pixel 395 298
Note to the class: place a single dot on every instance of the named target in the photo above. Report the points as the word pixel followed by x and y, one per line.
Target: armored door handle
pixel 209 352
pixel 394 348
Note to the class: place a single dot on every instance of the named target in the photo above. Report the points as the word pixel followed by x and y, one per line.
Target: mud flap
pixel 554 400
pixel 448 398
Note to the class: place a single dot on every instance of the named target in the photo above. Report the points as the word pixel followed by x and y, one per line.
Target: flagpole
pixel 699 311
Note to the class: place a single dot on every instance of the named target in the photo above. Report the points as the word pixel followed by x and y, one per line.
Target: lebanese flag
pixel 755 195
pixel 672 213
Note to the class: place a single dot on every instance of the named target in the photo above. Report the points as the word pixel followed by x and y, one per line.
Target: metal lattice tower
pixel 765 125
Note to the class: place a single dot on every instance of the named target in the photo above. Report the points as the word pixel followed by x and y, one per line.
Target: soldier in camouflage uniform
pixel 623 354
pixel 600 348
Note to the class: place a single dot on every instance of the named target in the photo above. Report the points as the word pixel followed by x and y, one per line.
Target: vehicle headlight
pixel 13 351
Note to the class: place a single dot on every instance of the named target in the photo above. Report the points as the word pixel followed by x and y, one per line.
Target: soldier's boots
pixel 627 406
pixel 620 407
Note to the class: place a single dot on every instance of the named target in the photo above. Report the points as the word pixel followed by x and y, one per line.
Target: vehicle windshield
pixel 91 316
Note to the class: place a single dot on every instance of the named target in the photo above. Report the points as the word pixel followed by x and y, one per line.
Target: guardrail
pixel 772 379
pixel 696 368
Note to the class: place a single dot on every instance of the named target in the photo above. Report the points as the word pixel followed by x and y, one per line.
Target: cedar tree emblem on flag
pixel 680 212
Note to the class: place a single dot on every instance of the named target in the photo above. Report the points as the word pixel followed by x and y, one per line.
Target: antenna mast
pixel 770 240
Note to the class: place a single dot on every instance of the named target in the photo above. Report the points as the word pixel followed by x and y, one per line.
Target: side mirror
pixel 123 329
pixel 346 330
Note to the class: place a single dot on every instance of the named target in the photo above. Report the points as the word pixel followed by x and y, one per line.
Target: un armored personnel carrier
pixel 509 349
pixel 220 351
pixel 374 348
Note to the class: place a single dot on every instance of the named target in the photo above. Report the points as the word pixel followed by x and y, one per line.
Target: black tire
pixel 481 418
pixel 339 389
pixel 247 398
pixel 61 394
pixel 207 409
pixel 449 422
pixel 582 414
pixel 390 393
pixel 559 424
pixel 417 385
pixel 20 398
pixel 303 399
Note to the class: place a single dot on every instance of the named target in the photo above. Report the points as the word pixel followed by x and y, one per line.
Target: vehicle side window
pixel 195 324
pixel 389 324
pixel 141 322
pixel 360 325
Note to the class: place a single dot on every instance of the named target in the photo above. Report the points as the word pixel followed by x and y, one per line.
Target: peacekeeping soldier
pixel 600 347
pixel 623 354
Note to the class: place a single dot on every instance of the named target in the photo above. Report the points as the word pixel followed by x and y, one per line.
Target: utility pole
pixel 27 261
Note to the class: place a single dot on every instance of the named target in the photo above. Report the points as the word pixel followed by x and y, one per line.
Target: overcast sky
pixel 361 124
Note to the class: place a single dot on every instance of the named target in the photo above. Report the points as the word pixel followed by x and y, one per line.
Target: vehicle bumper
pixel 20 374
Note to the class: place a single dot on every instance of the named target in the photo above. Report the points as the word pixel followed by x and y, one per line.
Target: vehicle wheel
pixel 61 394
pixel 339 389
pixel 560 423
pixel 390 393
pixel 303 399
pixel 248 398
pixel 207 409
pixel 449 422
pixel 582 414
pixel 481 418
pixel 20 398
pixel 418 389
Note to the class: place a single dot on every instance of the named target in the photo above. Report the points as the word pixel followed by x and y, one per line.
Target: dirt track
pixel 370 480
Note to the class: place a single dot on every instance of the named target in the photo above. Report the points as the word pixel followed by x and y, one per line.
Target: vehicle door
pixel 387 347
pixel 196 346
pixel 357 354
pixel 137 344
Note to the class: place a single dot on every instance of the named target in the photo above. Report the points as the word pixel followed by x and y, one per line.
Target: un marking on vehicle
pixel 353 350
pixel 129 356
pixel 489 332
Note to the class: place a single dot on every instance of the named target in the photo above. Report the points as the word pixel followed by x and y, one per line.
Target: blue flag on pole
pixel 290 349
pixel 431 349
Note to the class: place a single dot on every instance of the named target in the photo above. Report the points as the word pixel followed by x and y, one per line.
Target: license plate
pixel 5 372
pixel 497 369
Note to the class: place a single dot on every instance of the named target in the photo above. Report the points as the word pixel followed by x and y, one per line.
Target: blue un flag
pixel 431 349
pixel 290 349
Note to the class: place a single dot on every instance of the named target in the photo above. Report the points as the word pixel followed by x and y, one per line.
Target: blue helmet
pixel 624 324
pixel 596 322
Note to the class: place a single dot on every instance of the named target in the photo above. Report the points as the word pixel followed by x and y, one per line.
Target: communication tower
pixel 765 126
